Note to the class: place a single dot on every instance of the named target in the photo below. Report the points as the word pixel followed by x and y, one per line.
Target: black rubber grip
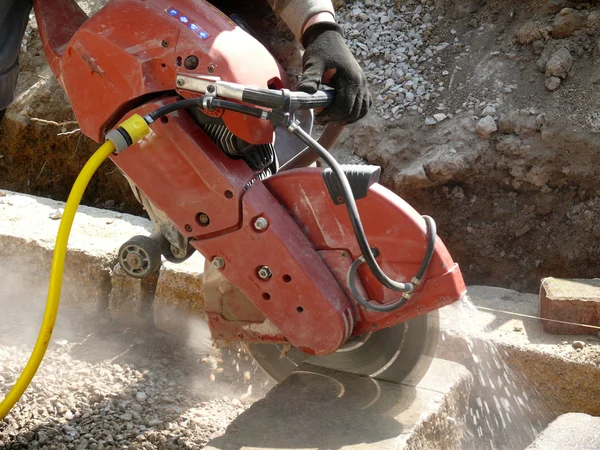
pixel 276 99
pixel 321 99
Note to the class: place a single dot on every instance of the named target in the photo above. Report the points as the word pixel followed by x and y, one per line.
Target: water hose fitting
pixel 130 132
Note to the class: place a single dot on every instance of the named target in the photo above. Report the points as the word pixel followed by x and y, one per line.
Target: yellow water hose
pixel 137 131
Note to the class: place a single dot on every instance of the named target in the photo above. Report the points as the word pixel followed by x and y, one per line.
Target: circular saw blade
pixel 393 354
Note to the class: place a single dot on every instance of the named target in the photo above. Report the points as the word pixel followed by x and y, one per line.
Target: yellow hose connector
pixel 137 131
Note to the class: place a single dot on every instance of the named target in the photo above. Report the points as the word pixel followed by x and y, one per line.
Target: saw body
pixel 279 244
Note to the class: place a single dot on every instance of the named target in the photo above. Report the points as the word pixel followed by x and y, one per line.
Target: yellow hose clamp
pixel 130 132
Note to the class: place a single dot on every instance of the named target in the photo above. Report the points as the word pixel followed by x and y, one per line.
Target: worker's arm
pixel 297 13
pixel 327 59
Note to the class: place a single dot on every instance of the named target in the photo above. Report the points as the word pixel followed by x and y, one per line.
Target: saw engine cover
pixel 278 246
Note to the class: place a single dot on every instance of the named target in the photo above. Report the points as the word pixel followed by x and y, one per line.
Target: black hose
pixel 367 304
pixel 352 211
pixel 396 304
pixel 431 237
pixel 206 102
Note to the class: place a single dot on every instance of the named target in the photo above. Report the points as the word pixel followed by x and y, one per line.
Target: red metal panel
pixel 391 225
pixel 131 49
pixel 302 298
pixel 183 173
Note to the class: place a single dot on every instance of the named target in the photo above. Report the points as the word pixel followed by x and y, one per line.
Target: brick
pixel 574 300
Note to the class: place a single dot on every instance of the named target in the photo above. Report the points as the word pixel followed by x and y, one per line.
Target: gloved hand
pixel 326 49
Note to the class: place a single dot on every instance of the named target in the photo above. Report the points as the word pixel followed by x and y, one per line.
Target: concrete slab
pixel 27 236
pixel 570 431
pixel 179 300
pixel 130 300
pixel 575 301
pixel 522 373
pixel 318 409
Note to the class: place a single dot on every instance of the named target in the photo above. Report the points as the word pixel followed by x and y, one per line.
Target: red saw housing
pixel 125 60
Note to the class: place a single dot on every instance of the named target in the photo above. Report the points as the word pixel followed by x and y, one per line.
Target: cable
pixel 396 304
pixel 205 102
pixel 352 211
pixel 56 274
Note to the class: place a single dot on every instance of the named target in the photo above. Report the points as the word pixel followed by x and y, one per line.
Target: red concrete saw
pixel 304 264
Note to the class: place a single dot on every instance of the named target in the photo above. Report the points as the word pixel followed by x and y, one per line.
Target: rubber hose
pixel 56 275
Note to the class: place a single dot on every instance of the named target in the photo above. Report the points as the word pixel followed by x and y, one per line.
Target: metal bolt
pixel 218 263
pixel 165 43
pixel 261 224
pixel 265 273
pixel 211 68
pixel 211 88
pixel 191 62
pixel 188 228
pixel 177 252
pixel 203 219
pixel 134 260
pixel 180 82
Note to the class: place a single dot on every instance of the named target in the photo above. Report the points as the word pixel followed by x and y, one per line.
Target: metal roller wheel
pixel 140 257
pixel 393 354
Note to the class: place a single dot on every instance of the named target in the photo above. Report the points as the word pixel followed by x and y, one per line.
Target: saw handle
pixel 287 100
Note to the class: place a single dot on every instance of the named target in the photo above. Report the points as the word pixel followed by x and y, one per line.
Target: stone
pixel 572 430
pixel 179 296
pixel 578 344
pixel 566 24
pixel 552 83
pixel 478 326
pixel 345 411
pixel 42 437
pixel 560 63
pixel 440 117
pixel 430 121
pixel 130 299
pixel 92 248
pixel 489 111
pixel 531 32
pixel 570 300
pixel 486 126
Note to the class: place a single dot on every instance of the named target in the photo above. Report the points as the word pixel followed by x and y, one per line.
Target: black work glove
pixel 325 49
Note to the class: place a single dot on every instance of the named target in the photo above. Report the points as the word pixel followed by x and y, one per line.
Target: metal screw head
pixel 177 252
pixel 180 82
pixel 211 68
pixel 191 62
pixel 165 43
pixel 211 88
pixel 261 224
pixel 265 273
pixel 218 263
pixel 203 219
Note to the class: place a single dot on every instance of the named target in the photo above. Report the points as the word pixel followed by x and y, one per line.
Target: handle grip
pixel 283 99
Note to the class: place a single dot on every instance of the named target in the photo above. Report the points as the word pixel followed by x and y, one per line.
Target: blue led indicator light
pixel 194 27
pixel 184 19
pixel 173 12
pixel 203 34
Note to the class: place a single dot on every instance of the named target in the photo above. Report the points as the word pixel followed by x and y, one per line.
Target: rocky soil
pixel 104 386
pixel 484 117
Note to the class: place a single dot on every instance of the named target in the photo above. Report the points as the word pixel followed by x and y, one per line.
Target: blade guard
pixel 391 225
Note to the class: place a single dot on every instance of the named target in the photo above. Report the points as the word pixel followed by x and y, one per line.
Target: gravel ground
pixel 103 386
pixel 395 45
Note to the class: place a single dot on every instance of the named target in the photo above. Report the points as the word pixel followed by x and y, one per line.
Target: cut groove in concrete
pixel 316 408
